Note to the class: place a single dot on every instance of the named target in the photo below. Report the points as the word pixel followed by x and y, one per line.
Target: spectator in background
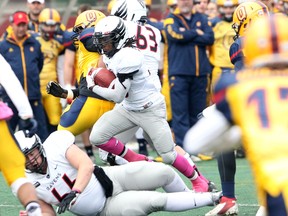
pixel 52 47
pixel 23 53
pixel 200 6
pixel 224 34
pixel 34 9
pixel 188 35
pixel 213 14
pixel 285 7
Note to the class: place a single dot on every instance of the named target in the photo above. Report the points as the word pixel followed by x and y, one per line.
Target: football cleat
pixel 227 206
pixel 216 196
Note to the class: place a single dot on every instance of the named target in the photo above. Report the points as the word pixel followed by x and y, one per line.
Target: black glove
pixel 29 125
pixel 67 201
pixel 56 90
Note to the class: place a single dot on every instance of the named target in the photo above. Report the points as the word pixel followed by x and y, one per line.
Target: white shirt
pixel 144 88
pixel 61 176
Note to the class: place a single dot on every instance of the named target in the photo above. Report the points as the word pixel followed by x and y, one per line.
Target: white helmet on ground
pixel 27 145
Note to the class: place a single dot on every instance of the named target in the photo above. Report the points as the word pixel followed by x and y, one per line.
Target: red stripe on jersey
pixel 235 54
pixel 219 96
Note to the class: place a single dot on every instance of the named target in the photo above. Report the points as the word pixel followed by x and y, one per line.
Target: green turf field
pixel 245 191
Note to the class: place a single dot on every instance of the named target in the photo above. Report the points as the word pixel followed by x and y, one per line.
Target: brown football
pixel 103 77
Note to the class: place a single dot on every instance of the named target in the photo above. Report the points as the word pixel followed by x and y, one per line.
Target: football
pixel 103 77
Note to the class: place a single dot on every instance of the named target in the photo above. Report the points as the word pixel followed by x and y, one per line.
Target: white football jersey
pixel 61 176
pixel 145 89
pixel 148 39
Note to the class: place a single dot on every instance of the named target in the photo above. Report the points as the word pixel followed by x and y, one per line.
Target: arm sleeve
pixel 117 93
pixel 14 90
pixel 209 134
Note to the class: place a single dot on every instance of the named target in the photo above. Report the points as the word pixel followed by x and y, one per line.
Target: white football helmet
pixel 131 10
pixel 27 145
pixel 111 35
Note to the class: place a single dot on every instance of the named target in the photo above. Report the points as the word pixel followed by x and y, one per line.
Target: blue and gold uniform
pixel 261 97
pixel 256 101
pixel 87 108
pixel 188 67
pixel 51 47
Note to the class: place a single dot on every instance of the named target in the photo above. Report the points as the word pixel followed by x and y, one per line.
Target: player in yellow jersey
pixel 51 47
pixel 86 107
pixel 223 33
pixel 255 99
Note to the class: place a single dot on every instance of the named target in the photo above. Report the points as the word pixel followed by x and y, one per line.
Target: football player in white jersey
pixel 140 102
pixel 66 177
pixel 148 40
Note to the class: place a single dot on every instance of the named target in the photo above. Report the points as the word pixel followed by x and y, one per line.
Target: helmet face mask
pixel 33 149
pixel 49 17
pixel 107 44
pixel 110 35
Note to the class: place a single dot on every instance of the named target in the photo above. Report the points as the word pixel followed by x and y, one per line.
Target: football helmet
pixel 172 5
pixel 267 43
pixel 110 35
pixel 131 10
pixel 87 19
pixel 27 145
pixel 226 3
pixel 49 17
pixel 245 13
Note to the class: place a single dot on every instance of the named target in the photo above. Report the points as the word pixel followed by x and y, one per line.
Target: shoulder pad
pixel 86 34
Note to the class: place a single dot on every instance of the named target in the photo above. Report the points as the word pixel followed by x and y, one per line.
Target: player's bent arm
pixel 14 90
pixel 116 94
pixel 69 58
pixel 206 134
pixel 79 160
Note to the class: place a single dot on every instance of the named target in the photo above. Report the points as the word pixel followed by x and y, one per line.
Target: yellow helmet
pixel 171 3
pixel 148 3
pixel 87 19
pixel 49 16
pixel 227 3
pixel 267 42
pixel 245 13
pixel 110 6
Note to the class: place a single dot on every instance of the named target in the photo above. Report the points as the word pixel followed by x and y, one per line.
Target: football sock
pixel 183 166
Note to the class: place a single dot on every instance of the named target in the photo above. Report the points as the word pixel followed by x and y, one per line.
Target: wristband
pixel 70 94
pixel 76 190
